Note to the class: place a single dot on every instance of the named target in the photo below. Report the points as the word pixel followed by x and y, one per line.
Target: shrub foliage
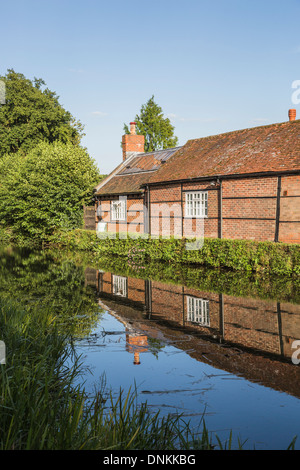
pixel 45 190
pixel 239 255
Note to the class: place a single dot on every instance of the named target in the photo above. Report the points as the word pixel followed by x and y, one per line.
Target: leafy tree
pixel 31 115
pixel 46 189
pixel 158 131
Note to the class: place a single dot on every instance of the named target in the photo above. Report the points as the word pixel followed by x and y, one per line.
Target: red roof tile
pixel 261 149
pixel 125 184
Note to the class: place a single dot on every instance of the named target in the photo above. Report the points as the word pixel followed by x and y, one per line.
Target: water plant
pixel 41 408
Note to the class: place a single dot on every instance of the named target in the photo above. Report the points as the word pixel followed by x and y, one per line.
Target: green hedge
pixel 241 255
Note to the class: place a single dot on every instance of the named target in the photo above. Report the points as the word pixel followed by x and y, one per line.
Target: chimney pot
pixel 132 128
pixel 292 114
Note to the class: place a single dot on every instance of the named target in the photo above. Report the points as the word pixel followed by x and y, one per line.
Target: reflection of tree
pixel 155 346
pixel 238 284
pixel 37 280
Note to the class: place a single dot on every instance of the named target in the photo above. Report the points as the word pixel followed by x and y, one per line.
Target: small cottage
pixel 243 184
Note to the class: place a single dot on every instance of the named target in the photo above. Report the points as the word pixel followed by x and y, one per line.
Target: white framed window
pixel 119 285
pixel 196 204
pixel 118 209
pixel 198 311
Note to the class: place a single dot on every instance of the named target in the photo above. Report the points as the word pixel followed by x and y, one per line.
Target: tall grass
pixel 42 409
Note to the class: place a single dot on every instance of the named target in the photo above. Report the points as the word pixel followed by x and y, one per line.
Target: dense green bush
pixel 45 190
pixel 242 255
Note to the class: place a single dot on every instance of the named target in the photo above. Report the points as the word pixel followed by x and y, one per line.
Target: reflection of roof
pixel 269 148
pixel 134 172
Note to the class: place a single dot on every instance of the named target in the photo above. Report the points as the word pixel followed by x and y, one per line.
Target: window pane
pixel 196 204
pixel 120 286
pixel 198 311
pixel 118 210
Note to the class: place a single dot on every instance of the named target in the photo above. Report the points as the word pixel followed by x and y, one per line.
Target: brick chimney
pixel 292 114
pixel 132 143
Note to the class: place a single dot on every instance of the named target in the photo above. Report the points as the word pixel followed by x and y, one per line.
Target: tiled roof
pixel 261 149
pixel 131 174
pixel 125 184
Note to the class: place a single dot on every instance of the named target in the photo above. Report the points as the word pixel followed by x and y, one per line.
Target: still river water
pixel 191 342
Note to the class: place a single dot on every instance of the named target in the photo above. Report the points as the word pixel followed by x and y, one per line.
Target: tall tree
pixel 158 130
pixel 31 114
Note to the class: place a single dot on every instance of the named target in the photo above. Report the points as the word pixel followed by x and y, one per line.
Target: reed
pixel 41 408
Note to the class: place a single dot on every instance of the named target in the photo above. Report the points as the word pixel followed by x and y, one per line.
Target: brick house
pixel 243 184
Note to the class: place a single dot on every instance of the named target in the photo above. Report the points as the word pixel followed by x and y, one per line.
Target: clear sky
pixel 212 65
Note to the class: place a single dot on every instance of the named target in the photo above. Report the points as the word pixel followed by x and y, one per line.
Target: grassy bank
pixel 237 255
pixel 41 408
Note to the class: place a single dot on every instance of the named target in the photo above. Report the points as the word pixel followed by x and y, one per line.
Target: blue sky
pixel 212 65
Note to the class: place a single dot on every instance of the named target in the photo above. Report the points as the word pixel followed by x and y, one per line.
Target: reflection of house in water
pixel 136 342
pixel 261 325
pixel 245 336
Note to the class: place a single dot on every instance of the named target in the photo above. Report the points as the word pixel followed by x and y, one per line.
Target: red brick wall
pixel 170 199
pixel 106 282
pixel 165 211
pixel 249 209
pixel 290 209
pixel 135 216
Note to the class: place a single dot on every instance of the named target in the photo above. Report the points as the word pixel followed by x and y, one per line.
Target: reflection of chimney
pixel 136 343
pixel 132 143
pixel 136 358
pixel 292 114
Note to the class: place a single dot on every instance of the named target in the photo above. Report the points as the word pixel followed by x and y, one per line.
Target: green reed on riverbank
pixel 41 408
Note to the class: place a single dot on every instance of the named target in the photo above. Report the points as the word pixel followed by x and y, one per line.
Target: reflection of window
pixel 198 311
pixel 118 210
pixel 196 204
pixel 120 286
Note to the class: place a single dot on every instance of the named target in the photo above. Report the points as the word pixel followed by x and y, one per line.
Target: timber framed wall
pixel 134 220
pixel 289 206
pixel 262 208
